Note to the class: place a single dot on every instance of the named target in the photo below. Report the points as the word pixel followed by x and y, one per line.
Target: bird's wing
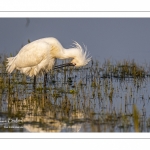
pixel 32 54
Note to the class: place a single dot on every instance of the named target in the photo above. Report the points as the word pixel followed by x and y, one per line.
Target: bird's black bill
pixel 63 65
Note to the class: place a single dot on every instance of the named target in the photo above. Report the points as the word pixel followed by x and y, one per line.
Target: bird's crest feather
pixel 83 56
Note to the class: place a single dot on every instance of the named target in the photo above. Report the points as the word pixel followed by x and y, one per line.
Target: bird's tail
pixel 10 64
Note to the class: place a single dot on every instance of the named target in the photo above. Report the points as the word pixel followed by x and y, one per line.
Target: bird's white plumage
pixel 39 56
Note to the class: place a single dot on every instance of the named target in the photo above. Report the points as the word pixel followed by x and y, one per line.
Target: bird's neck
pixel 68 53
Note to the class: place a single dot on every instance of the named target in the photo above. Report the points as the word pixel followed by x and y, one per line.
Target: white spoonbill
pixel 38 57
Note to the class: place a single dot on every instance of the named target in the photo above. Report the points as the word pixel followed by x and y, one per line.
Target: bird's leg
pixel 45 79
pixel 34 82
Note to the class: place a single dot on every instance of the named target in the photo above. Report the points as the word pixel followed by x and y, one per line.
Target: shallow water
pixel 75 100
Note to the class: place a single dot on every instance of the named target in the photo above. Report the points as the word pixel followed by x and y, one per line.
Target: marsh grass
pixel 98 98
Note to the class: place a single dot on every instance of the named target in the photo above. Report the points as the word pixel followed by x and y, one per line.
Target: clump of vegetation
pixel 125 69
